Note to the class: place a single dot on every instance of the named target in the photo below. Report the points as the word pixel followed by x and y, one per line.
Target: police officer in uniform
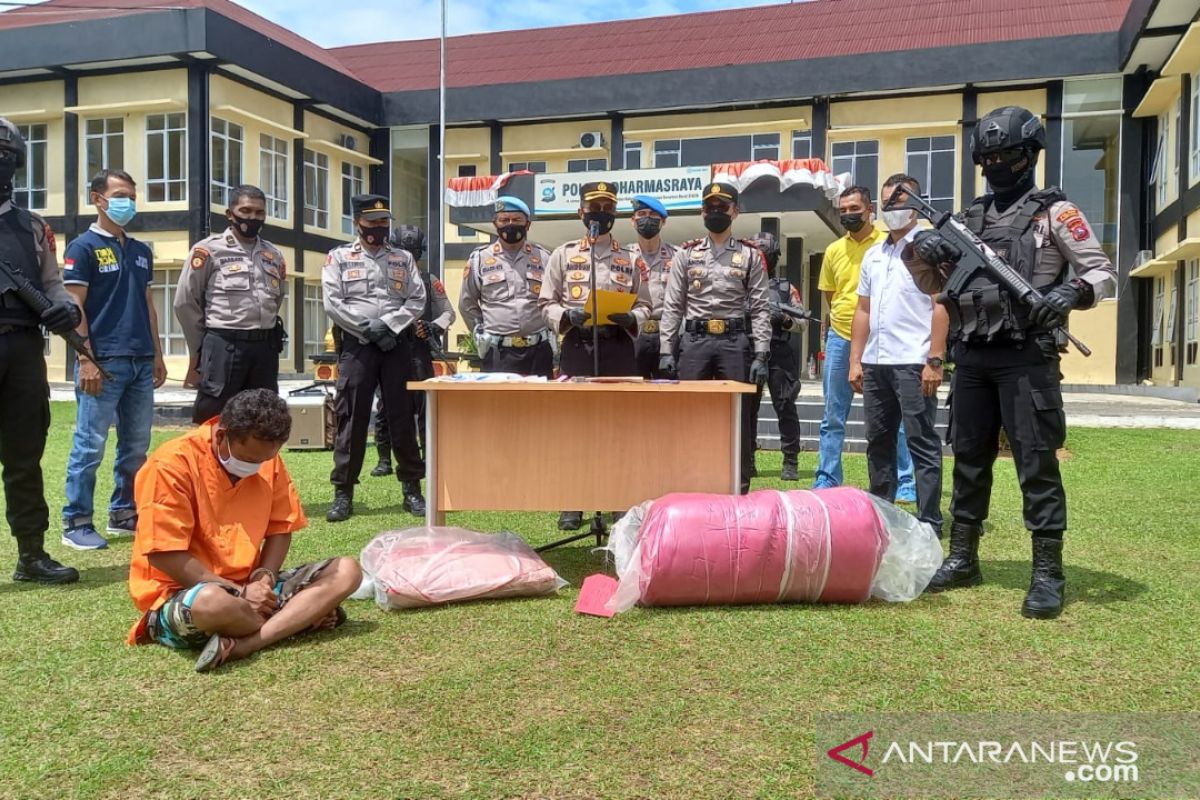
pixel 499 296
pixel 566 289
pixel 27 245
pixel 714 284
pixel 227 302
pixel 373 294
pixel 653 257
pixel 783 378
pixel 1006 357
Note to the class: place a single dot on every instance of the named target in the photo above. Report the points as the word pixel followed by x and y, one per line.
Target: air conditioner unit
pixel 1142 257
pixel 591 139
pixel 347 141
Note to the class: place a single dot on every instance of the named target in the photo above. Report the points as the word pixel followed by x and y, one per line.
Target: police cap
pixel 598 190
pixel 371 206
pixel 721 191
pixel 509 203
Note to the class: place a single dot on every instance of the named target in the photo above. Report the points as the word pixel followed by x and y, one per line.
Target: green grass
pixel 525 699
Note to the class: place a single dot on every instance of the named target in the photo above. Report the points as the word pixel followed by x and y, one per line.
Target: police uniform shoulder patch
pixel 467 271
pixel 51 242
pixel 643 270
pixel 438 288
pixel 200 257
pixel 1079 229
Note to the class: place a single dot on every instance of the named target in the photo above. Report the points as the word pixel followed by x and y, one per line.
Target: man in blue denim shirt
pixel 110 273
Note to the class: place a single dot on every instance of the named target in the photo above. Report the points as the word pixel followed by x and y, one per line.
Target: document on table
pixel 610 303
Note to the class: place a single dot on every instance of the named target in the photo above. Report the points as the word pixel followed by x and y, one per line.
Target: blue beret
pixel 508 203
pixel 646 201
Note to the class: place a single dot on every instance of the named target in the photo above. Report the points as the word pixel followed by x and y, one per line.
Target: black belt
pixel 715 327
pixel 16 328
pixel 606 332
pixel 231 335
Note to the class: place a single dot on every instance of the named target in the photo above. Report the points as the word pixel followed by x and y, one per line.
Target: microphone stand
pixel 593 235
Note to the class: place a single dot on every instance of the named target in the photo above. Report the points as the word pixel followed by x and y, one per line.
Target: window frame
pixel 271 176
pixel 106 150
pixel 802 136
pixel 316 188
pixel 631 147
pixel 226 182
pixel 313 298
pixel 351 185
pixel 168 182
pixel 37 151
pixel 941 202
pixel 169 331
pixel 854 157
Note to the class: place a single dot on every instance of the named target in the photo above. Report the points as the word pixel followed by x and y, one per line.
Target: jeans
pixel 128 400
pixel 836 383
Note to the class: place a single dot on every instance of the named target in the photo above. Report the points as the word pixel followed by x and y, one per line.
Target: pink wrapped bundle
pixel 429 566
pixel 766 547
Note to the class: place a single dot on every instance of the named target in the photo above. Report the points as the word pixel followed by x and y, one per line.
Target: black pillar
pixel 496 144
pixel 970 116
pixel 1133 206
pixel 71 221
pixel 436 189
pixel 616 144
pixel 1054 107
pixel 820 124
pixel 197 132
pixel 1181 152
pixel 297 333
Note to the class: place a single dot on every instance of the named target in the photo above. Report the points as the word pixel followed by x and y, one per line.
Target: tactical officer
pixel 653 258
pixel 1005 353
pixel 499 296
pixel 426 335
pixel 27 248
pixel 566 289
pixel 373 294
pixel 784 375
pixel 714 283
pixel 227 303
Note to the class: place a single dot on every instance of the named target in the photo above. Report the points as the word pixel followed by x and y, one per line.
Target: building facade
pixel 209 95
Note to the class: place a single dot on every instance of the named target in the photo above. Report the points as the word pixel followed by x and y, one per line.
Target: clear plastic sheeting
pixel 429 566
pixel 827 546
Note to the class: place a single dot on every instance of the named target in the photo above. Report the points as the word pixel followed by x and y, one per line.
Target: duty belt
pixel 651 326
pixel 715 327
pixel 522 341
pixel 232 335
pixel 605 332
pixel 15 328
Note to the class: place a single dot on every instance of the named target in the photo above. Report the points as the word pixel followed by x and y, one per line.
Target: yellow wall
pixel 41 103
pixel 1097 328
pixel 551 136
pixel 326 130
pixel 226 92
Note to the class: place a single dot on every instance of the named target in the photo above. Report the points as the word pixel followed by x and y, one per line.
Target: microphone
pixel 593 230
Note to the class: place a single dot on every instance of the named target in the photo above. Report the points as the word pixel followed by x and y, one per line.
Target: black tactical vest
pixel 427 314
pixel 983 311
pixel 781 293
pixel 17 247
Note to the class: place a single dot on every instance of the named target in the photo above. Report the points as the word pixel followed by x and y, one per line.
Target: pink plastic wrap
pixel 429 566
pixel 821 546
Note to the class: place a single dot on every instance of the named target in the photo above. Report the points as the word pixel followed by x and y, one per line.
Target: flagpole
pixel 441 177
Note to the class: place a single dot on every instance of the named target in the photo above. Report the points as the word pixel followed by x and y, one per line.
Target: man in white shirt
pixel 896 350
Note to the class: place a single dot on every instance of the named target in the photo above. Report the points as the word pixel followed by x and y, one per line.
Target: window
pixel 316 189
pixel 860 159
pixel 586 164
pixel 1192 315
pixel 273 174
pixel 1194 133
pixel 29 182
pixel 930 159
pixel 764 147
pixel 633 155
pixel 1158 168
pixel 527 166
pixel 1091 148
pixel 801 144
pixel 162 291
pixel 466 171
pixel 666 153
pixel 1177 158
pixel 1156 337
pixel 166 157
pixel 316 324
pixel 352 183
pixel 227 141
pixel 103 148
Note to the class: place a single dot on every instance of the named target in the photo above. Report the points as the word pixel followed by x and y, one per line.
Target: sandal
pixel 215 653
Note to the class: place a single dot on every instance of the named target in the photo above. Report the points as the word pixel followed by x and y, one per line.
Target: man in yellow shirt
pixel 839 283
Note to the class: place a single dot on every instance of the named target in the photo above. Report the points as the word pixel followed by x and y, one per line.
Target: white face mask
pixel 899 219
pixel 235 466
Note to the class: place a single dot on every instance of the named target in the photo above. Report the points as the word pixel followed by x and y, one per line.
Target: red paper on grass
pixel 594 595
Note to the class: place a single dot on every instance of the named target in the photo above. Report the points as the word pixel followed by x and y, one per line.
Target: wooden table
pixel 584 446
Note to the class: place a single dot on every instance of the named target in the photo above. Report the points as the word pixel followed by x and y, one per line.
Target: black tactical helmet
pixel 410 238
pixel 1004 128
pixel 769 245
pixel 12 141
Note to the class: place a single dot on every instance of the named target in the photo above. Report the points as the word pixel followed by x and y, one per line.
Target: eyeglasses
pixel 501 221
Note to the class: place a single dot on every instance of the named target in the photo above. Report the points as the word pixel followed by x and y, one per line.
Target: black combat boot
pixel 1045 598
pixel 384 467
pixel 414 501
pixel 343 504
pixel 34 564
pixel 570 520
pixel 961 567
pixel 790 471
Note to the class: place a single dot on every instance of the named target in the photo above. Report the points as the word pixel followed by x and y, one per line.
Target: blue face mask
pixel 121 210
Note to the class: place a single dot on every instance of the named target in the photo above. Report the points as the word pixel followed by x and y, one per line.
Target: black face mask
pixel 511 234
pixel 648 227
pixel 1006 176
pixel 717 221
pixel 853 222
pixel 245 226
pixel 8 168
pixel 373 237
pixel 603 220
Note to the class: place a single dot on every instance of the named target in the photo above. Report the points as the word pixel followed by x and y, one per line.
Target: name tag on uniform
pixel 354 275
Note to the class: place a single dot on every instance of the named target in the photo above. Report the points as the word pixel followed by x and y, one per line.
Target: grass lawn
pixel 525 699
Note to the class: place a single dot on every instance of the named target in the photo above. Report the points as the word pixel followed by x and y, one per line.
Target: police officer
pixel 1005 354
pixel 566 289
pixel 227 302
pixel 714 283
pixel 784 375
pixel 653 258
pixel 373 294
pixel 499 296
pixel 27 247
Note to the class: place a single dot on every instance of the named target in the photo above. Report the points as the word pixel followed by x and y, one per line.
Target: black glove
pixel 666 366
pixel 386 343
pixel 61 317
pixel 624 319
pixel 376 330
pixel 759 369
pixel 778 318
pixel 576 317
pixel 420 329
pixel 1055 305
pixel 932 248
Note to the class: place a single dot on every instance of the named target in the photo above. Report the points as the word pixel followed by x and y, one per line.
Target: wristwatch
pixel 934 362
